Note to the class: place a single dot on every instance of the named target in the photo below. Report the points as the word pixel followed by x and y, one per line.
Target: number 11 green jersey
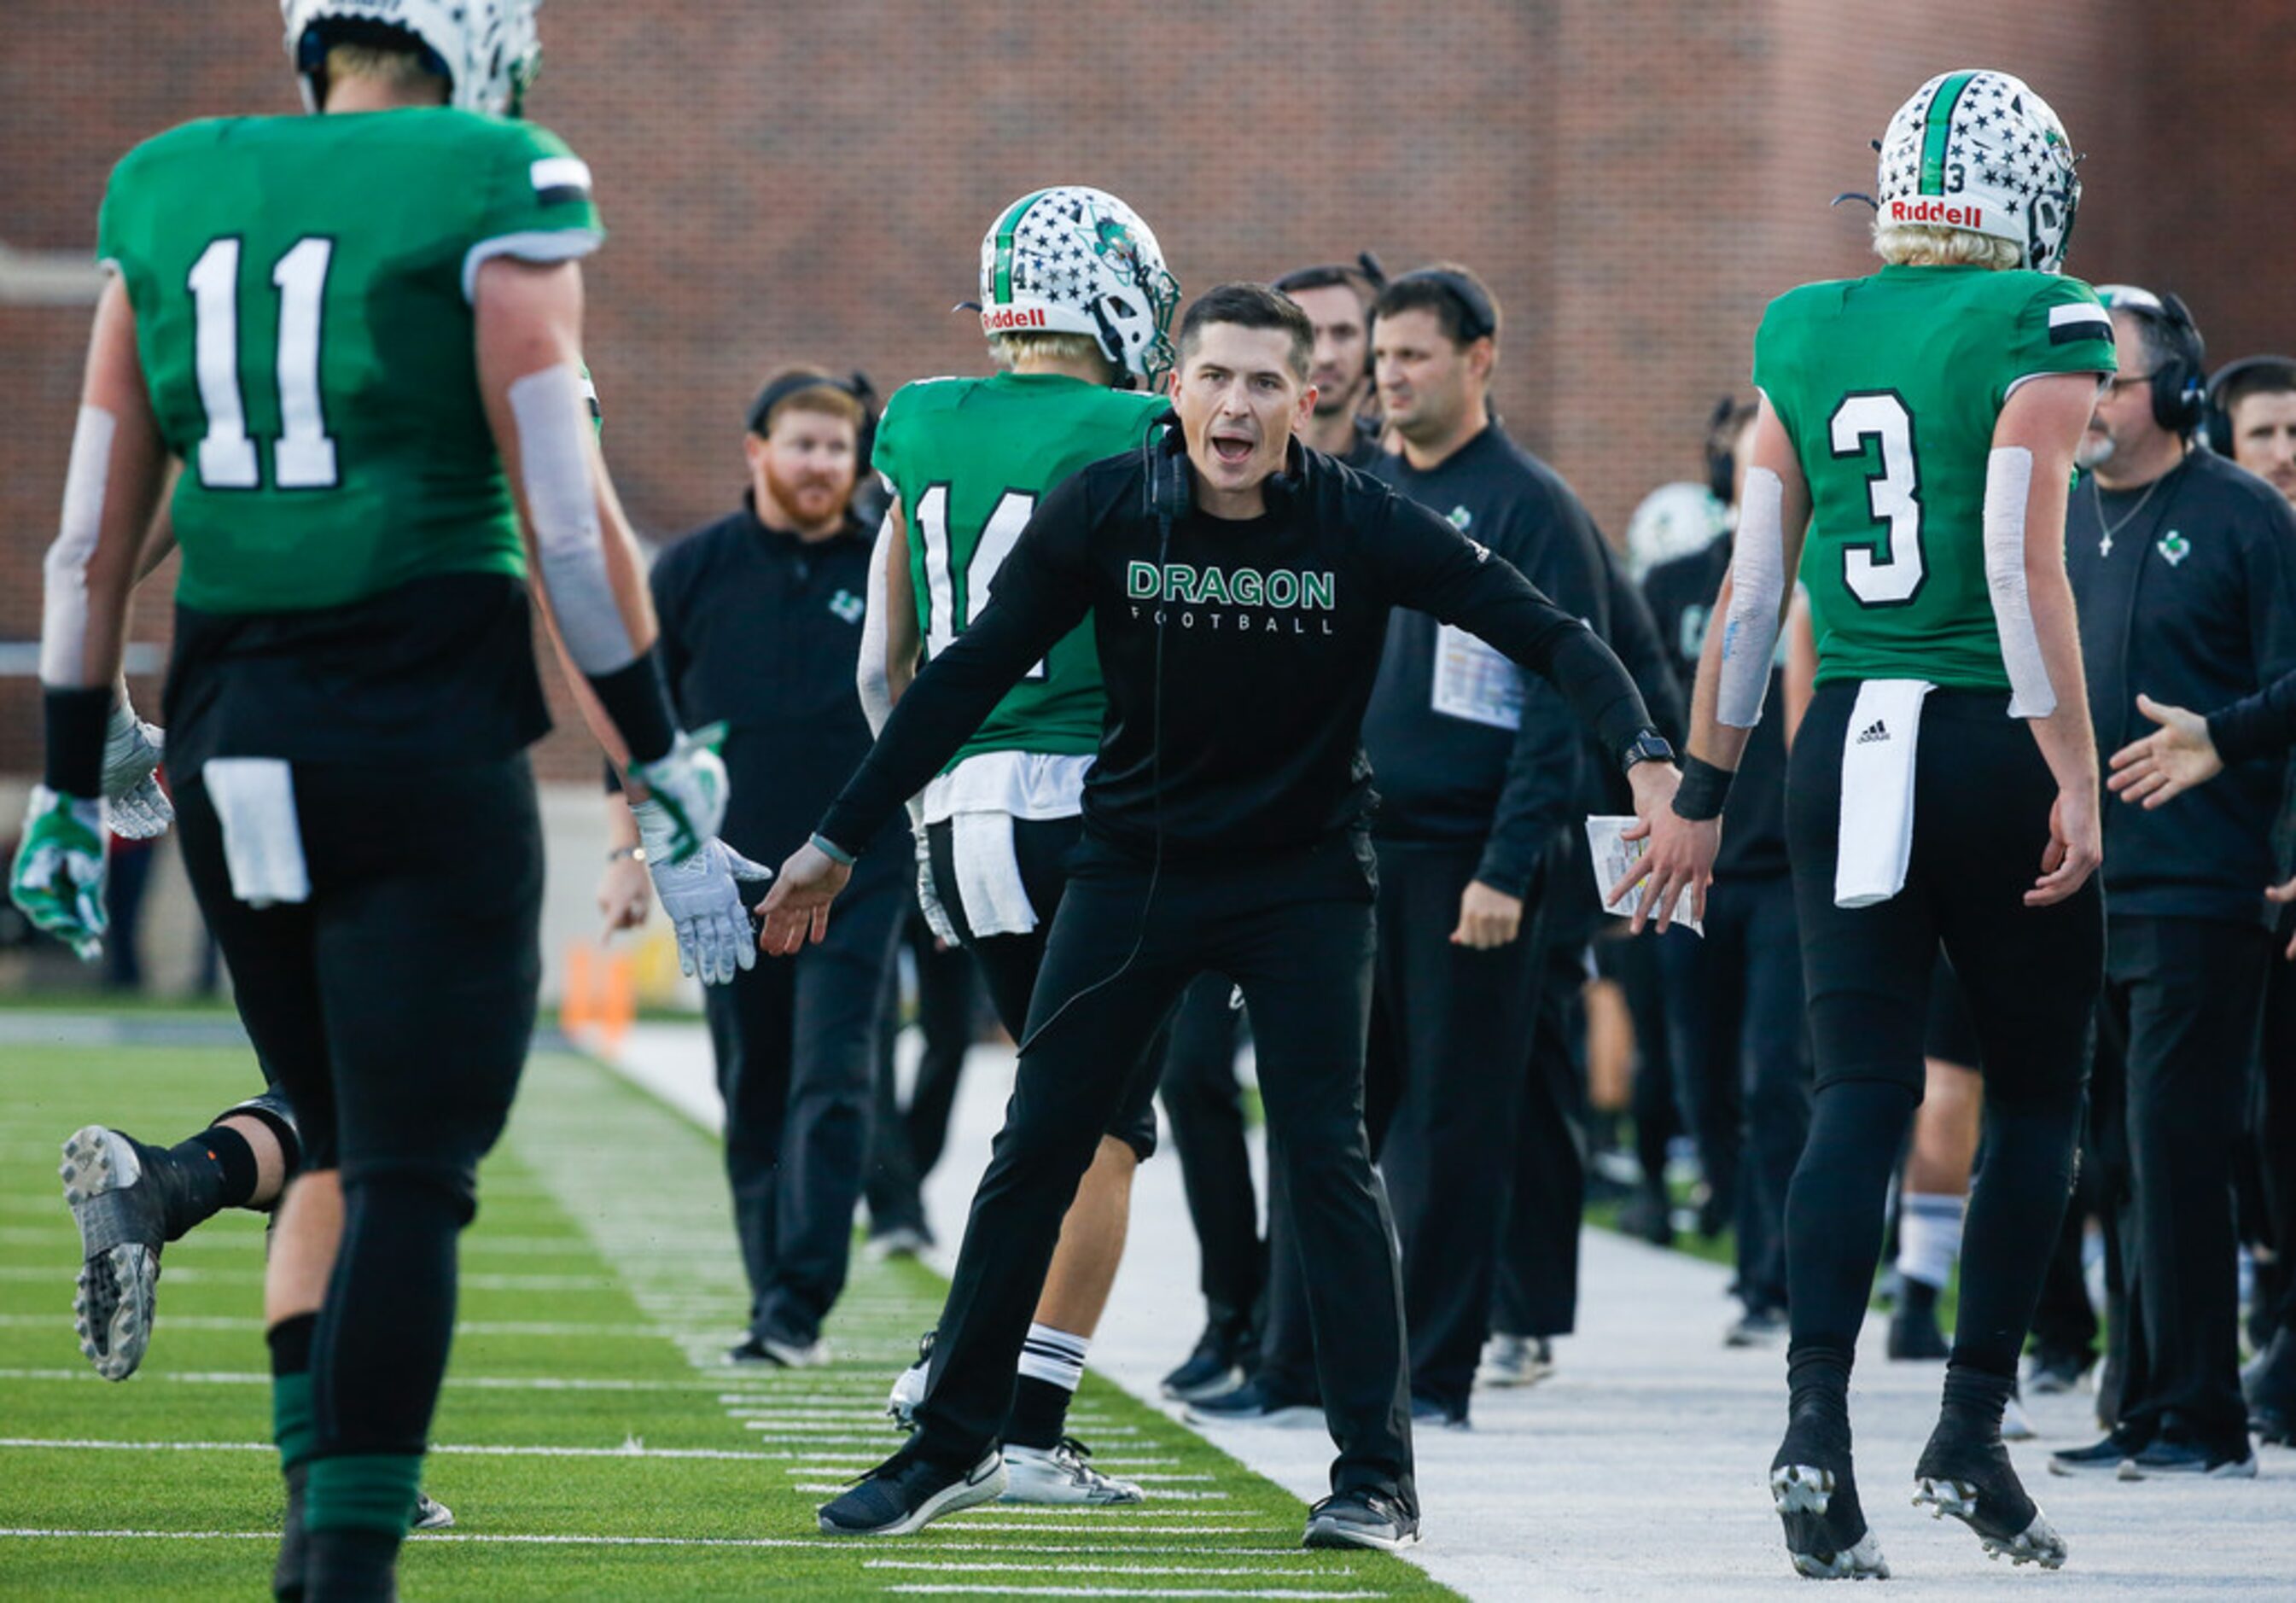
pixel 302 293
pixel 970 459
pixel 1889 387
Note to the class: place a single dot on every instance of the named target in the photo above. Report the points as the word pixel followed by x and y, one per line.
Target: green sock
pixel 363 1491
pixel 292 1425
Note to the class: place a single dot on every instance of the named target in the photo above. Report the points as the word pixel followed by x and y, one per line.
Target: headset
pixel 2180 385
pixel 2218 424
pixel 1366 274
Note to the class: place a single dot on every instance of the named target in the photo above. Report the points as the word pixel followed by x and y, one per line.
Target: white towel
pixel 989 875
pixel 1875 840
pixel 254 799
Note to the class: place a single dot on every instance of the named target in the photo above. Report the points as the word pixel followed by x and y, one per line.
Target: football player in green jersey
pixel 1920 425
pixel 360 333
pixel 1076 301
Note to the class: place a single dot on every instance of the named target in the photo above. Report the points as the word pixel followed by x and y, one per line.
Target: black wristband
pixel 1703 789
pixel 613 777
pixel 76 720
pixel 635 698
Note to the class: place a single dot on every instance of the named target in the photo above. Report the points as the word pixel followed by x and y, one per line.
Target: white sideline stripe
pixel 482 1383
pixel 1068 1510
pixel 816 1544
pixel 856 1466
pixel 995 1567
pixel 922 1590
pixel 1123 1592
pixel 472 1449
pixel 226 1321
pixel 1110 1528
pixel 254 1277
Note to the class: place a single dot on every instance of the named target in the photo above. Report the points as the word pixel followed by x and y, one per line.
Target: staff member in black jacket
pixel 2184 568
pixel 1735 1003
pixel 760 621
pixel 1238 589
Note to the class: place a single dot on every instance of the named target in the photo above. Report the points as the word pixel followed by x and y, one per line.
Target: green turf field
pixel 588 1442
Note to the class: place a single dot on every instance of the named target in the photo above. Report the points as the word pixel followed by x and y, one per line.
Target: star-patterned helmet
pixel 486 49
pixel 1080 261
pixel 1979 150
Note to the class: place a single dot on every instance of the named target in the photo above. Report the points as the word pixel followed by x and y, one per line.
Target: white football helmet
pixel 1979 150
pixel 1673 520
pixel 486 49
pixel 1077 260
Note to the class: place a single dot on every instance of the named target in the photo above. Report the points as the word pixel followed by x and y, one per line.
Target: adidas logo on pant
pixel 1874 731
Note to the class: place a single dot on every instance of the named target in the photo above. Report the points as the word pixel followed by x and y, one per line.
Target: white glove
pixel 58 875
pixel 936 918
pixel 702 897
pixel 689 785
pixel 139 810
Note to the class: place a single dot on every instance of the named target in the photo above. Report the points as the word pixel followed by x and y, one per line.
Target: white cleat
pixel 908 1390
pixel 431 1515
pixel 1515 1361
pixel 2016 1423
pixel 1803 1493
pixel 1058 1475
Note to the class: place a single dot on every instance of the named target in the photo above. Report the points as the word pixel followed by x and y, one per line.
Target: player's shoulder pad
pixel 185 140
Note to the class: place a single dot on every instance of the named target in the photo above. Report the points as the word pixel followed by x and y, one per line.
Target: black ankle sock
pixel 1040 1414
pixel 1976 1394
pixel 1818 1378
pixel 213 1170
pixel 1918 1296
pixel 351 1566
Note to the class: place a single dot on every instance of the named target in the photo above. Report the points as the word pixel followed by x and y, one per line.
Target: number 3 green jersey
pixel 1889 387
pixel 970 459
pixel 302 293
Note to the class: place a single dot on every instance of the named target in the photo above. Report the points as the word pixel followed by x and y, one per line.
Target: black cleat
pixel 1914 1332
pixel 1815 1490
pixel 1361 1519
pixel 1969 1476
pixel 115 1189
pixel 906 1492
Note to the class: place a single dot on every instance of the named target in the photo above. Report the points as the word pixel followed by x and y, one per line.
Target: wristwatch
pixel 1647 746
pixel 636 854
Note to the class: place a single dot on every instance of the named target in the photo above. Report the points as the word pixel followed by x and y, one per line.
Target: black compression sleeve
pixel 75 723
pixel 636 698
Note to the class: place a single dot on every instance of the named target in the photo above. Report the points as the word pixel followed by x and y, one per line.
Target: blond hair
pixel 401 66
pixel 1059 346
pixel 1928 245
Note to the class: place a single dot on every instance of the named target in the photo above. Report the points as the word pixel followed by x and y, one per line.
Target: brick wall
pixel 1635 178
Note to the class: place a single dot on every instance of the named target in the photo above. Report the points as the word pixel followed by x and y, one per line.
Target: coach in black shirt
pixel 2184 568
pixel 1238 587
pixel 761 619
pixel 1733 1013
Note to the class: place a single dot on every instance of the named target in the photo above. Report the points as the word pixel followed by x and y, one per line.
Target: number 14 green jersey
pixel 1889 387
pixel 970 459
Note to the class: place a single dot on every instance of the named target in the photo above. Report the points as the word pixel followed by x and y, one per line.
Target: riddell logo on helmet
pixel 1008 318
pixel 1944 214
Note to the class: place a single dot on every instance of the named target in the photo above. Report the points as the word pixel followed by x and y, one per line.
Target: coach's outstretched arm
pixel 1042 591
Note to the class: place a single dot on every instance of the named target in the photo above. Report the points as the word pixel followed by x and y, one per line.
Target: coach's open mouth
pixel 1234 449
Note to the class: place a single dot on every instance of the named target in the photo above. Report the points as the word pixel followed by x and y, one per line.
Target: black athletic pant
pixel 906 1145
pixel 1633 966
pixel 1293 929
pixel 2184 994
pixel 1982 796
pixel 1741 1062
pixel 796 1044
pixel 395 1007
pixel 1204 1103
pixel 2272 1123
pixel 1537 1288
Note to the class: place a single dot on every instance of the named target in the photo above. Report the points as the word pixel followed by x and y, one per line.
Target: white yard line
pixel 465 1450
pixel 1114 1592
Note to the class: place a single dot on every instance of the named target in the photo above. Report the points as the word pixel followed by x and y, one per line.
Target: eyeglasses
pixel 2125 381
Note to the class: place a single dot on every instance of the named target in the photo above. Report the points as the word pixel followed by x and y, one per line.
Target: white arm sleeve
pixel 63 615
pixel 1758 590
pixel 2008 486
pixel 552 419
pixel 870 677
